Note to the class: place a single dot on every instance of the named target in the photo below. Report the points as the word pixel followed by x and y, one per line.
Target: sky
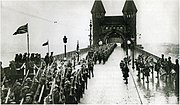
pixel 157 22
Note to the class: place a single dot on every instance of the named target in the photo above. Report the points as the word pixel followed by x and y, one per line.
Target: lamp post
pixel 90 36
pixel 65 41
pixel 133 46
pixel 128 44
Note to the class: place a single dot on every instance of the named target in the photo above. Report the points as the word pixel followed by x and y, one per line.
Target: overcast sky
pixel 157 22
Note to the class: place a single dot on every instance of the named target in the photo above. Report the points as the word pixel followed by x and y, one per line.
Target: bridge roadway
pixel 107 87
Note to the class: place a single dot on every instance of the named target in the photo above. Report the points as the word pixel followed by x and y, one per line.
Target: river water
pixel 169 50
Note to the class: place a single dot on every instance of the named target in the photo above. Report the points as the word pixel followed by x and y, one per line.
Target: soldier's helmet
pixel 18 83
pixel 28 79
pixel 28 94
pixel 51 53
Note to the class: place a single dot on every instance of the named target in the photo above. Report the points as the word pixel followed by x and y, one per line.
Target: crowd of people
pixel 101 53
pixel 146 65
pixel 54 81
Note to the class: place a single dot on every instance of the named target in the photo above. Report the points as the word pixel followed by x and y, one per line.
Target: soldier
pixel 20 58
pixel 25 57
pixel 28 99
pixel 137 62
pixel 151 64
pixel 126 74
pixel 103 57
pixel 169 66
pixel 146 71
pixel 46 59
pixel 162 58
pixel 32 57
pixel 99 57
pixel 142 69
pixel 91 68
pixel 69 64
pixel 28 82
pixel 165 67
pixel 157 67
pixel 34 85
pixel 95 58
pixel 121 64
pixel 176 68
pixel 31 66
pixel 16 58
pixel 24 91
pixel 17 91
pixel 67 90
pixel 56 95
pixel 51 58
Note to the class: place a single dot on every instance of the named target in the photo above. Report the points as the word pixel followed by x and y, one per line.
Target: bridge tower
pixel 114 29
pixel 98 13
pixel 129 14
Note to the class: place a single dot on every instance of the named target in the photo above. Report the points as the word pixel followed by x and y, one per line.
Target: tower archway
pixel 114 37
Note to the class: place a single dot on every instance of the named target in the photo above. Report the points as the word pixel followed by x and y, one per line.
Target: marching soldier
pixel 51 58
pixel 169 66
pixel 176 68
pixel 126 74
pixel 28 99
pixel 95 57
pixel 91 68
pixel 103 57
pixel 67 91
pixel 99 57
pixel 146 71
pixel 122 65
pixel 17 91
pixel 56 95
pixel 46 59
pixel 157 67
pixel 137 62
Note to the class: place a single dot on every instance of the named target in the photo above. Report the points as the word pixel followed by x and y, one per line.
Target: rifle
pixel 7 97
pixel 42 89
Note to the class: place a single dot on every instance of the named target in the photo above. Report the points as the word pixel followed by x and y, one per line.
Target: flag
pixel 22 29
pixel 44 44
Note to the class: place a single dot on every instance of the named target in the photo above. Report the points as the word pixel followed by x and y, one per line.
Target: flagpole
pixel 28 42
pixel 48 46
pixel 28 51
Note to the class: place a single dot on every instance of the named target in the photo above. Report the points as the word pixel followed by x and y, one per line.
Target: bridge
pixel 81 78
pixel 108 87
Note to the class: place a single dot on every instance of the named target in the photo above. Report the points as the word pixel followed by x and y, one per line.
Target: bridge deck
pixel 107 87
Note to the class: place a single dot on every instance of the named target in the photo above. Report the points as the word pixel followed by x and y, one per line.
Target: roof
pixel 129 6
pixel 113 20
pixel 98 7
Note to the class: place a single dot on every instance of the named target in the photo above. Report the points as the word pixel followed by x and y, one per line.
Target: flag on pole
pixel 45 44
pixel 22 29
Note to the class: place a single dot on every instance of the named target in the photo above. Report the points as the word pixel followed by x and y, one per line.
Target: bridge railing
pixel 146 52
pixel 71 54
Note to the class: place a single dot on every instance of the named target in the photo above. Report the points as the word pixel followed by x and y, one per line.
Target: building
pixel 118 29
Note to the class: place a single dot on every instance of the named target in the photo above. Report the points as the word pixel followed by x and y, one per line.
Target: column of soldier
pixel 102 53
pixel 145 65
pixel 54 82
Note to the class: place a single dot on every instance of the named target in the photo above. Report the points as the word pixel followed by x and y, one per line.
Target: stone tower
pixel 129 14
pixel 98 13
pixel 113 29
